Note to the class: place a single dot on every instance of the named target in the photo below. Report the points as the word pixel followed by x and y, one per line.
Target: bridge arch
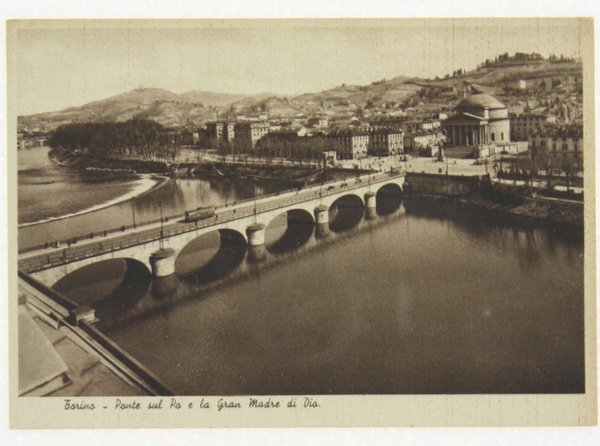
pixel 289 230
pixel 109 286
pixel 346 212
pixel 389 198
pixel 211 256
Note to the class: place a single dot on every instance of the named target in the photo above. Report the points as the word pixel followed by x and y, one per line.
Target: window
pixel 502 136
pixel 493 136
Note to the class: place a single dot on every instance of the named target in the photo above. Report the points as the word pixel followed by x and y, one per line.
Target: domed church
pixel 479 124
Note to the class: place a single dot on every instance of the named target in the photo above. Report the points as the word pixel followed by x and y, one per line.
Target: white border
pixel 277 8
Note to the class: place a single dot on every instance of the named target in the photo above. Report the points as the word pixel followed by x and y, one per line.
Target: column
pixel 162 262
pixel 370 200
pixel 256 234
pixel 321 214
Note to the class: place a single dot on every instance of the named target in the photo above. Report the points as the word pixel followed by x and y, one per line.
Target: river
pixel 48 190
pixel 417 298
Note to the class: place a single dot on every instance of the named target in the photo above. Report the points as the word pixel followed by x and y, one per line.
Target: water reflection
pixel 531 240
pixel 165 287
pixel 229 255
pixel 117 285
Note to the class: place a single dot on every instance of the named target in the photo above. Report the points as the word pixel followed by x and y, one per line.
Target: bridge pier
pixel 164 287
pixel 257 253
pixel 370 213
pixel 256 234
pixel 162 262
pixel 321 214
pixel 370 200
pixel 322 230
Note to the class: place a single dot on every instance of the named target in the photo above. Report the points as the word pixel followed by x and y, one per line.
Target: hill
pixel 209 98
pixel 400 93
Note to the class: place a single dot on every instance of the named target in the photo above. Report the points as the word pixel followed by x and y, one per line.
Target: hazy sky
pixel 64 65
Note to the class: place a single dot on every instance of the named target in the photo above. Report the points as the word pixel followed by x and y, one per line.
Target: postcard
pixel 301 223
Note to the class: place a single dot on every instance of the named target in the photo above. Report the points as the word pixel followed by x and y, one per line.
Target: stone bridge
pixel 157 245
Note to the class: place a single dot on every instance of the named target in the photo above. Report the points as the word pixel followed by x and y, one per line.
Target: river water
pixel 416 298
pixel 48 190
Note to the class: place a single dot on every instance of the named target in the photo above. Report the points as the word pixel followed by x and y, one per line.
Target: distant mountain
pixel 195 107
pixel 209 98
pixel 165 107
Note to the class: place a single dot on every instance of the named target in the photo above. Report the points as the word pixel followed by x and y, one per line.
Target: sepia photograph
pixel 266 213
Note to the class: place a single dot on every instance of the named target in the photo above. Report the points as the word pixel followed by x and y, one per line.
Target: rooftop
pixel 481 101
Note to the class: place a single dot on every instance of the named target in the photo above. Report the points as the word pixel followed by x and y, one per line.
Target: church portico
pixel 480 121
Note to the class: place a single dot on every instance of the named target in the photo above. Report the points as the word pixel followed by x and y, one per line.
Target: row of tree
pixel 140 139
pixel 543 166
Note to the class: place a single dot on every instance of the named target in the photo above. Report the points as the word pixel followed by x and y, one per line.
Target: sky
pixel 62 64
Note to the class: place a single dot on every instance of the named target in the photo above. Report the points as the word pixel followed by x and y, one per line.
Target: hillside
pixel 193 108
pixel 211 99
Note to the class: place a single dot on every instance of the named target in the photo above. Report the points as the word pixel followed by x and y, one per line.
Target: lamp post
pixel 255 209
pixel 161 241
pixel 133 211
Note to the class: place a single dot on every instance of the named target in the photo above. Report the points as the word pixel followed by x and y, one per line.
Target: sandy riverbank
pixel 143 185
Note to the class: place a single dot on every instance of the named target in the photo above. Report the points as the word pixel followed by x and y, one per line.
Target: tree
pixel 135 138
pixel 545 162
pixel 569 169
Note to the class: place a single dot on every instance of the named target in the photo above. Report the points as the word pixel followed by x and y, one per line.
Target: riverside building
pixel 479 128
pixel 247 135
pixel 525 124
pixel 559 145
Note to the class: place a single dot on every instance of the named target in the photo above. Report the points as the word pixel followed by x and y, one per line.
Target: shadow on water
pixel 526 236
pixel 479 222
pixel 346 213
pixel 298 227
pixel 229 255
pixel 389 199
pixel 116 285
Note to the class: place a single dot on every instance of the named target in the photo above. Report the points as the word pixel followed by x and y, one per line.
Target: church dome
pixel 480 101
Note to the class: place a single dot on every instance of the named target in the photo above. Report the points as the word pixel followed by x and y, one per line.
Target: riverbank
pixel 68 158
pixel 144 185
pixel 296 176
pixel 479 193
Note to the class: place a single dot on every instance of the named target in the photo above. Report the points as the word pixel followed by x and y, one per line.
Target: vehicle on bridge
pixel 199 214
